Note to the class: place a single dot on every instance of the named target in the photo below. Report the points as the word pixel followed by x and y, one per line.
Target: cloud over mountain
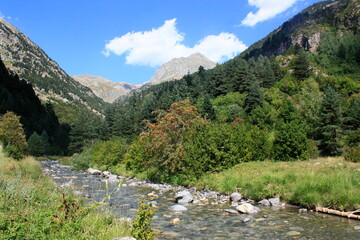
pixel 162 44
pixel 267 9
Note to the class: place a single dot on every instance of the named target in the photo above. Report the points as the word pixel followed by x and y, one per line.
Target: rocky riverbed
pixel 191 214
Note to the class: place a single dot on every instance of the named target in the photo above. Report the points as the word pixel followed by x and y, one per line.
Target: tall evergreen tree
pixel 208 110
pixel 301 67
pixel 254 97
pixel 330 123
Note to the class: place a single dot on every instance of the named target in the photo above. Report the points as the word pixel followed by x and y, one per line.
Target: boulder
pixel 113 178
pixel 184 197
pixel 232 211
pixel 235 197
pixel 275 201
pixel 265 202
pixel 178 208
pixel 93 171
pixel 106 174
pixel 247 208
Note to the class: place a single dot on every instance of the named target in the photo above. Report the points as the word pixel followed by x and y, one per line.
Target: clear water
pixel 208 221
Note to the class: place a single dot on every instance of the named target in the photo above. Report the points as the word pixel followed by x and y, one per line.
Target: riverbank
pixel 32 207
pixel 322 182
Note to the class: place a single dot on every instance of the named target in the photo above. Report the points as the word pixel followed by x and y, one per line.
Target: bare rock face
pixel 179 67
pixel 108 90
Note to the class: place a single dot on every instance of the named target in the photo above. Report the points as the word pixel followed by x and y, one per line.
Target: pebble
pixel 245 220
pixel 175 221
pixel 357 227
pixel 232 211
pixel 178 208
pixel 292 233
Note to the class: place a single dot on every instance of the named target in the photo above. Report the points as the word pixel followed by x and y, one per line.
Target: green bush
pixel 353 155
pixel 109 153
pixel 83 160
pixel 14 152
pixel 141 224
pixel 290 142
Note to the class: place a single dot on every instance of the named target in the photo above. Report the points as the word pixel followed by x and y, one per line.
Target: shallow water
pixel 208 221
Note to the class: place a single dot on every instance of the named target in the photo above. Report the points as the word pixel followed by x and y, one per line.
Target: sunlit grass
pixel 326 182
pixel 33 208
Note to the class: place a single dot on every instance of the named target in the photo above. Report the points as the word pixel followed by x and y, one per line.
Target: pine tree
pixel 301 67
pixel 36 145
pixel 254 97
pixel 208 110
pixel 330 123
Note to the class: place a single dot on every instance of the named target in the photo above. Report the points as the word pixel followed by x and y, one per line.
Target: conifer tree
pixel 208 110
pixel 36 145
pixel 301 67
pixel 254 97
pixel 330 123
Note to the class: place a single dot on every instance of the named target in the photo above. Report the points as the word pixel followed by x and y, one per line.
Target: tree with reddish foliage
pixel 162 142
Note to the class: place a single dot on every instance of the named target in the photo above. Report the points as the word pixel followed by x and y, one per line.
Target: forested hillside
pixel 19 97
pixel 282 99
pixel 51 83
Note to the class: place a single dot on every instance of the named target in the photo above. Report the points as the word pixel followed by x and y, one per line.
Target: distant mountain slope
pixel 23 57
pixel 179 67
pixel 307 28
pixel 105 89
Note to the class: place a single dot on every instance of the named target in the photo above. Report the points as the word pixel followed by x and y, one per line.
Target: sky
pixel 128 40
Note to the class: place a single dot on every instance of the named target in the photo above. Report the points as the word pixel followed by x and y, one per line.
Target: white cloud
pixel 267 9
pixel 162 44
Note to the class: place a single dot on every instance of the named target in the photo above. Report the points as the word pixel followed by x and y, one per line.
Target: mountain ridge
pixel 23 57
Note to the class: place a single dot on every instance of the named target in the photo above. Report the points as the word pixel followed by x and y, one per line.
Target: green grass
pixel 326 182
pixel 33 208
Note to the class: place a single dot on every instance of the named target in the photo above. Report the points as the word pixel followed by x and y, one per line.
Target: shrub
pixel 14 152
pixel 141 224
pixel 109 153
pixel 353 155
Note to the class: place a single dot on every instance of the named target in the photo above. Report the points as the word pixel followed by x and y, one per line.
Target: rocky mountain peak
pixel 104 88
pixel 179 67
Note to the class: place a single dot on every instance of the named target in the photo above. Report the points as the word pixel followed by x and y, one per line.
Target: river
pixel 206 221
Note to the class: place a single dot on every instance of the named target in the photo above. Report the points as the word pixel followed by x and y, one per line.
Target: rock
pixel 178 208
pixel 357 227
pixel 171 235
pixel 234 204
pixel 113 178
pixel 247 208
pixel 265 202
pixel 265 216
pixel 235 197
pixel 175 221
pixel 245 220
pixel 275 201
pixel 184 197
pixel 292 233
pixel 93 171
pixel 231 211
pixel 106 174
pixel 303 210
pixel 124 238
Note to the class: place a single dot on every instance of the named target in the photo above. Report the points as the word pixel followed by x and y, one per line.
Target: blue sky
pixel 127 40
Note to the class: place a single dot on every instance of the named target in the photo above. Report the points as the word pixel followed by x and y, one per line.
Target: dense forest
pixel 261 105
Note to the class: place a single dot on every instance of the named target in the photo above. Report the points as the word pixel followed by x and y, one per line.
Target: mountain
pixel 18 96
pixel 105 89
pixel 23 57
pixel 178 67
pixel 307 28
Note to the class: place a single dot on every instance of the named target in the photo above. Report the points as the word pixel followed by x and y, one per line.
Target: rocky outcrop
pixel 179 67
pixel 105 89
